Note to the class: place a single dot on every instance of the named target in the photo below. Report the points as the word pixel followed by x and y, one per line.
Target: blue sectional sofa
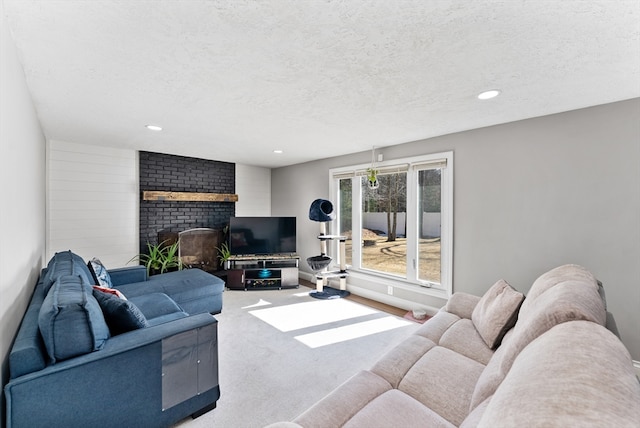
pixel 86 356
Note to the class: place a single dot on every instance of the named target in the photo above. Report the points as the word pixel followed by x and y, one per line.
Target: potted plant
pixel 160 258
pixel 223 254
pixel 372 178
pixel 372 172
pixel 171 258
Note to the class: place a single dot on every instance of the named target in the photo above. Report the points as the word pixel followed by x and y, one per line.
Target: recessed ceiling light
pixel 487 95
pixel 278 151
pixel 154 127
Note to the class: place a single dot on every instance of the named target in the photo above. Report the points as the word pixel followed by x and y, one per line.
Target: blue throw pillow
pixel 65 263
pixel 99 273
pixel 121 315
pixel 70 320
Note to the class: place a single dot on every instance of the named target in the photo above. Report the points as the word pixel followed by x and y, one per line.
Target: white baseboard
pixel 309 277
pixel 378 297
pixel 390 300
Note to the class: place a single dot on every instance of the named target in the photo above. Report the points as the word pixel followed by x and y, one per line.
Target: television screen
pixel 262 235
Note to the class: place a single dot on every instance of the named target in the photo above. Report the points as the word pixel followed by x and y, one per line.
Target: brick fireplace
pixel 162 172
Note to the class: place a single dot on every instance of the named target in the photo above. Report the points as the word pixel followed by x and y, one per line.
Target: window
pixel 429 224
pixel 384 242
pixel 403 229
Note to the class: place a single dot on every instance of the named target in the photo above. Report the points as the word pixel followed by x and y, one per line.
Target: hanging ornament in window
pixel 372 173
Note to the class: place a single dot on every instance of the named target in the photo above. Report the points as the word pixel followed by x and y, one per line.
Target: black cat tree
pixel 321 211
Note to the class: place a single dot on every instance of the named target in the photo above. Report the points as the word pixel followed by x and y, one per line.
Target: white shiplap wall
pixel 253 186
pixel 93 200
pixel 92 204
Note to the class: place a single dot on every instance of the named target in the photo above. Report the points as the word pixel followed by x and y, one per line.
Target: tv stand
pixel 262 272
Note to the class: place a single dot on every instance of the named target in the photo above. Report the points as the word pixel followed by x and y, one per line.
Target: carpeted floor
pixel 280 351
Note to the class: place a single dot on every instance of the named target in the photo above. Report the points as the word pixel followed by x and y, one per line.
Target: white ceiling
pixel 233 80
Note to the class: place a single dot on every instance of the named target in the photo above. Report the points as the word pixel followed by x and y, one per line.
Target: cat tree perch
pixel 321 211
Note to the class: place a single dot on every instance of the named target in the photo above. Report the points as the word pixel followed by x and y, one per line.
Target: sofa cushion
pixel 121 315
pixel 463 338
pixel 194 290
pixel 344 402
pixel 462 304
pixel 437 325
pixel 577 374
pixel 555 276
pixel 396 409
pixel 65 263
pixel 70 319
pixel 473 419
pixel 395 364
pixel 496 312
pixel 155 305
pixel 166 318
pixel 443 380
pixel 99 273
pixel 493 373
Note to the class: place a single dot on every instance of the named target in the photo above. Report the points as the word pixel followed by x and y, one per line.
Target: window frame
pixel 411 165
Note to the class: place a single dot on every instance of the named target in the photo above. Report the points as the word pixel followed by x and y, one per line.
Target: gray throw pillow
pixel 496 312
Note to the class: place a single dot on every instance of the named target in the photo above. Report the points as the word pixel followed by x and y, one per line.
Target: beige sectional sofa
pixel 471 366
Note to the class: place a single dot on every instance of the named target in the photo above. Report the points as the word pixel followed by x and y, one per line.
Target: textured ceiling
pixel 233 80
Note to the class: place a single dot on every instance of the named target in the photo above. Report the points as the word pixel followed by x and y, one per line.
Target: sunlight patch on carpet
pixel 261 302
pixel 310 314
pixel 353 331
pixel 302 294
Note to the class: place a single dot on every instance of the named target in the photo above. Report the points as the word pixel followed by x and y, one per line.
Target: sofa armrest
pixel 462 304
pixel 127 275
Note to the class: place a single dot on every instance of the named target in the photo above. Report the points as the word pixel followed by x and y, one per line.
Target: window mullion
pixel 412 226
pixel 447 229
pixel 356 220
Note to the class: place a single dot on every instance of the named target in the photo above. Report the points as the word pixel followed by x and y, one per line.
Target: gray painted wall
pixel 529 196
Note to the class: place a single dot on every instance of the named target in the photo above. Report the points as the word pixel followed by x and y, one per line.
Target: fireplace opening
pixel 197 248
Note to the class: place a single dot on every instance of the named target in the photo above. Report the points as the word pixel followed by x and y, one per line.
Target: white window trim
pixel 411 165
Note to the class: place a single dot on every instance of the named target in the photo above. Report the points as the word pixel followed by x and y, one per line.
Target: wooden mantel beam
pixel 155 195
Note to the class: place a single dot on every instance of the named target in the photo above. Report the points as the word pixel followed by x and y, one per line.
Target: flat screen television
pixel 262 235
